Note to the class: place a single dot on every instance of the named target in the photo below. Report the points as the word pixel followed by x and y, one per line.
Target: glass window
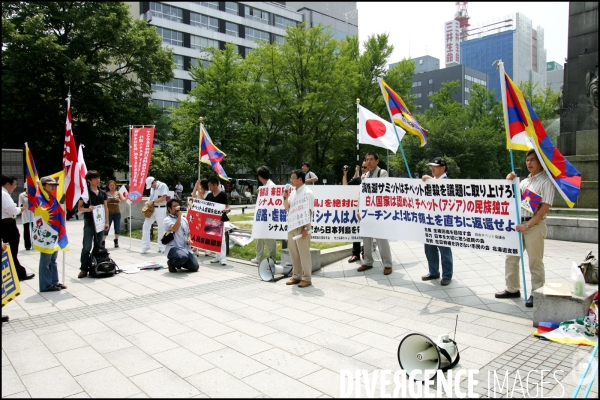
pixel 175 86
pixel 466 102
pixel 211 4
pixel 419 106
pixel 165 104
pixel 430 105
pixel 431 81
pixel 178 62
pixel 204 21
pixel 205 64
pixel 231 29
pixel 468 77
pixel 231 7
pixel 167 12
pixel 419 95
pixel 279 39
pixel 256 14
pixel 171 37
pixel 466 89
pixel 430 92
pixel 256 35
pixel 282 22
pixel 201 43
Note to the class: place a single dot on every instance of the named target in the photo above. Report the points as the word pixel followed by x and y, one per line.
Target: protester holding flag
pixel 92 235
pixel 114 211
pixel 533 228
pixel 158 199
pixel 25 218
pixel 10 232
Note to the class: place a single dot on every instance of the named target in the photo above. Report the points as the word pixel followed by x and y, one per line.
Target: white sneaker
pixel 254 261
pixel 223 262
pixel 144 251
pixel 216 260
pixel 207 253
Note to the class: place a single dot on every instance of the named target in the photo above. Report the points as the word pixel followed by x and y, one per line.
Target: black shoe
pixel 529 302
pixel 116 244
pixel 171 268
pixel 445 282
pixel 353 259
pixel 429 277
pixel 507 295
pixel 27 277
pixel 53 289
pixel 5 318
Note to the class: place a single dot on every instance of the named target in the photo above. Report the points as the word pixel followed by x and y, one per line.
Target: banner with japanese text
pixel 140 153
pixel 478 215
pixel 11 287
pixel 206 228
pixel 335 214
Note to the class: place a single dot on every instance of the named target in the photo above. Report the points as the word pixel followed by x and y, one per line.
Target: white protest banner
pixel 335 214
pixel 299 214
pixel 206 228
pixel 99 217
pixel 270 217
pixel 473 214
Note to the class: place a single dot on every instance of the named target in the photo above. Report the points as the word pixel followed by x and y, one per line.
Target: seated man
pixel 235 195
pixel 178 251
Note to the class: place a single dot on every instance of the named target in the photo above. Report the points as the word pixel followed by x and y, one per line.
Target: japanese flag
pixel 377 131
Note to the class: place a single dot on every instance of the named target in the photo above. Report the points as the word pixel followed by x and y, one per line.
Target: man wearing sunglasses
pixel 356 180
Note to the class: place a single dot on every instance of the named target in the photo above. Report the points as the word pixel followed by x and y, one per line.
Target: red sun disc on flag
pixel 375 129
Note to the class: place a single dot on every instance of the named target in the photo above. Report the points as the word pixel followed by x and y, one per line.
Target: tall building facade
pixel 423 64
pixel 340 16
pixel 555 75
pixel 516 43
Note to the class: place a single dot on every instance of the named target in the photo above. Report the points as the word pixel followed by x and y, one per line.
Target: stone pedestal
pixel 315 255
pixel 561 308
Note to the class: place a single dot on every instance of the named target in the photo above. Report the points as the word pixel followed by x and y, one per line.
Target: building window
pixel 466 102
pixel 256 14
pixel 415 84
pixel 466 89
pixel 210 4
pixel 171 37
pixel 204 21
pixel 231 29
pixel 419 106
pixel 194 62
pixel 430 92
pixel 469 78
pixel 232 7
pixel 167 12
pixel 256 35
pixel 420 62
pixel 165 104
pixel 419 95
pixel 431 81
pixel 201 43
pixel 178 62
pixel 279 39
pixel 175 86
pixel 430 105
pixel 283 23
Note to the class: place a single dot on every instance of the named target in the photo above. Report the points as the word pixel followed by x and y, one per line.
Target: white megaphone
pixel 268 269
pixel 418 352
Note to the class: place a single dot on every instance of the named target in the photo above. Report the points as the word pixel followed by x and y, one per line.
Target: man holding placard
pixel 95 219
pixel 299 206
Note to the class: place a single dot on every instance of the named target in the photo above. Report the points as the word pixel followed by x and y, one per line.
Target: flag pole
pixel 516 185
pixel 358 134
pixel 395 131
pixel 200 144
pixel 129 174
pixel 63 205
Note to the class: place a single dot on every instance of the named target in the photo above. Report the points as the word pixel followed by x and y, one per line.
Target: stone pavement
pixel 221 332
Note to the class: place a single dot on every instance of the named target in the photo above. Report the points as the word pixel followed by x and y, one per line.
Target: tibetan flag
pixel 210 154
pixel 60 189
pixel 580 331
pixel 524 131
pixel 530 201
pixel 399 113
pixel 32 179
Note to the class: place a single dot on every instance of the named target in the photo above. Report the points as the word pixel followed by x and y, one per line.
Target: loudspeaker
pixel 417 351
pixel 268 269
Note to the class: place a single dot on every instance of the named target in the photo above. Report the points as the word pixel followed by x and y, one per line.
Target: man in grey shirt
pixel 178 251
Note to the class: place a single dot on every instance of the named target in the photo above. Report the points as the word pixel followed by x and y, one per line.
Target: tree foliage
pixel 95 51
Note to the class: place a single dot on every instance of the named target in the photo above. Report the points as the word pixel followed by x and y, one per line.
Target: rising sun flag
pixel 524 131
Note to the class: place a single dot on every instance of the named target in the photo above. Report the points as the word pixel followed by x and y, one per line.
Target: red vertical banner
pixel 140 153
pixel 206 228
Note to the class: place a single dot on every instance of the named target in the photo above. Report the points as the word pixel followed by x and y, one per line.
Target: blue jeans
pixel 48 271
pixel 183 258
pixel 116 218
pixel 433 259
pixel 90 237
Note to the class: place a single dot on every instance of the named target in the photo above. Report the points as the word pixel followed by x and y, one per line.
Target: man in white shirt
pixel 26 218
pixel 10 232
pixel 264 177
pixel 310 178
pixel 158 198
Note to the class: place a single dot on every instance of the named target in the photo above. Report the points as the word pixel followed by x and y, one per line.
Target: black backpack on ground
pixel 101 265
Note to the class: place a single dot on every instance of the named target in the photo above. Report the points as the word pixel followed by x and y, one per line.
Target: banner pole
pixel 200 144
pixel 516 190
pixel 358 134
pixel 129 188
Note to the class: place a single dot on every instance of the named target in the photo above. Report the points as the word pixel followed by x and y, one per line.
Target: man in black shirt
pixel 356 180
pixel 90 234
pixel 217 196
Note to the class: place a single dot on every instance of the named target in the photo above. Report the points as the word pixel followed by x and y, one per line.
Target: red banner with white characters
pixel 140 153
pixel 206 228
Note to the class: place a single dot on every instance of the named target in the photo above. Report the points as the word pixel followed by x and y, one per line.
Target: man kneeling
pixel 178 251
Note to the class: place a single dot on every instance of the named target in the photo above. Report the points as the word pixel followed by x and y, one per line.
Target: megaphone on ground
pixel 418 352
pixel 268 269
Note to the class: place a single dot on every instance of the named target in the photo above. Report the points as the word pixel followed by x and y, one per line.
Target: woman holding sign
pixel 114 211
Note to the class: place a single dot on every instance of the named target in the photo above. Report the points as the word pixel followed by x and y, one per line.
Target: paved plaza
pixel 222 332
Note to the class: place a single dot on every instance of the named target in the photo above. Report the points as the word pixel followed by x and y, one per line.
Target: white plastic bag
pixel 578 280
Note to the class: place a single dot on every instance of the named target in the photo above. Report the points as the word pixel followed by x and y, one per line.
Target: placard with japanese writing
pixel 11 286
pixel 270 217
pixel 473 214
pixel 299 213
pixel 206 228
pixel 140 154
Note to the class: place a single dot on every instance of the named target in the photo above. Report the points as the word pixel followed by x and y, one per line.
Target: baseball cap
pixel 47 180
pixel 149 181
pixel 438 162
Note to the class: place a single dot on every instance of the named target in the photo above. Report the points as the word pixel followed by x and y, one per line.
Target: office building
pixel 555 75
pixel 423 64
pixel 512 40
pixel 340 16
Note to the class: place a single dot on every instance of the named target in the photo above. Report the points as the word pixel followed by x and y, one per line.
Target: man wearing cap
pixel 158 198
pixel 438 170
pixel 90 235
pixel 10 232
pixel 372 159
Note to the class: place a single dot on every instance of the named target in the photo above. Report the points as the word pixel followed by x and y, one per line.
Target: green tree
pixel 544 101
pixel 96 51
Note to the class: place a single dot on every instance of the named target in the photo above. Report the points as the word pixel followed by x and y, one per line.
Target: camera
pixel 346 168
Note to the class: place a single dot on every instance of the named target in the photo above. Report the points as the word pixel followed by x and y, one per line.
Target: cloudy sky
pixel 417 29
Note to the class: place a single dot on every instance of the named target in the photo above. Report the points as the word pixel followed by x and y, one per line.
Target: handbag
pixel 224 217
pixel 167 237
pixel 147 210
pixel 589 268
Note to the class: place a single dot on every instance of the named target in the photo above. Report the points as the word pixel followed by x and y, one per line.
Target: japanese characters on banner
pixel 140 153
pixel 335 214
pixel 11 286
pixel 446 212
pixel 206 228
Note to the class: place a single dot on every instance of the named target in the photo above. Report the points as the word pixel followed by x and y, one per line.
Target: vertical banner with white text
pixel 206 228
pixel 140 153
